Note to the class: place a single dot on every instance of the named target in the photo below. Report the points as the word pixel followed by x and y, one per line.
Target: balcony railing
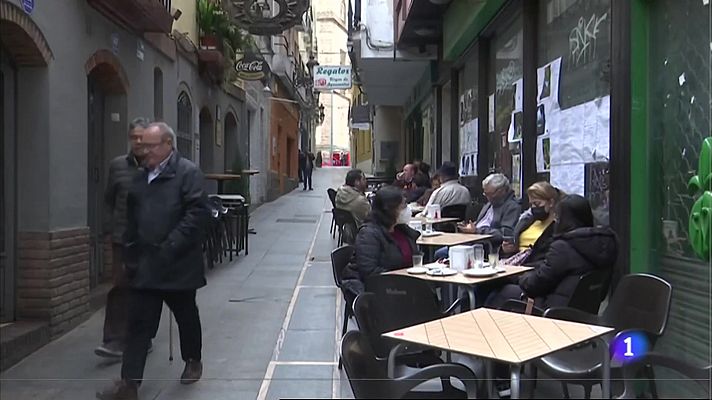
pixel 138 15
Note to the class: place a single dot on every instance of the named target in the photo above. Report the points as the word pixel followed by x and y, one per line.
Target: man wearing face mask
pixel 501 213
pixel 385 242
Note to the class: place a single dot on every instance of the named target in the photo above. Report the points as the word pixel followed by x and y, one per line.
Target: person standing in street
pixel 302 165
pixel 167 214
pixel 122 170
pixel 308 169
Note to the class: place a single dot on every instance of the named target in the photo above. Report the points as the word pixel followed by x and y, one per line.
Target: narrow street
pixel 269 322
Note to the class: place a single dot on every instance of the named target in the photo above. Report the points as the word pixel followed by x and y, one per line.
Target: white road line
pixel 303 363
pixel 262 394
pixel 336 377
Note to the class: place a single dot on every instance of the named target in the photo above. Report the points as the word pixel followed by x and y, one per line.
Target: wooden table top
pixel 436 220
pixel 451 239
pixel 499 335
pixel 222 177
pixel 461 279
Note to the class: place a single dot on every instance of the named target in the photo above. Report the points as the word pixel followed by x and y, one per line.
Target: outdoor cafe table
pixel 506 337
pixel 463 280
pixel 450 239
pixel 436 220
pixel 221 178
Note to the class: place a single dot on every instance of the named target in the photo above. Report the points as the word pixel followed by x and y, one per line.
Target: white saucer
pixel 430 234
pixel 416 270
pixel 480 272
pixel 442 272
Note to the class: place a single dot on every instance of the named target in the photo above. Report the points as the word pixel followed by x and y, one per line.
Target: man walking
pixel 122 170
pixel 302 165
pixel 308 169
pixel 167 214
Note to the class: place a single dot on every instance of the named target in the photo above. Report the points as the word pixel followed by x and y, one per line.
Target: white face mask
pixel 405 216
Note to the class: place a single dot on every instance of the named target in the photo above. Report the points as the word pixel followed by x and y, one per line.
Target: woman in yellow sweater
pixel 534 230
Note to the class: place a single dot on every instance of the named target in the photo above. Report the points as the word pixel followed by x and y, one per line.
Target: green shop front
pixel 607 99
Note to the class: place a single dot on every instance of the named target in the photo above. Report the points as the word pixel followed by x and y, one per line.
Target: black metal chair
pixel 700 375
pixel 369 379
pixel 640 302
pixel 590 291
pixel 332 197
pixel 393 302
pixel 346 226
pixel 339 261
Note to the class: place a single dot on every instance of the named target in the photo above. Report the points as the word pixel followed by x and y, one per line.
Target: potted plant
pixel 212 22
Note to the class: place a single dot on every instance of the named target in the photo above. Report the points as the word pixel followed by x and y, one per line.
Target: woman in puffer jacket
pixel 577 247
pixel 385 242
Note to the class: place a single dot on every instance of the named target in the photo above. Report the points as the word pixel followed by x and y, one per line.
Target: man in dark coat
pixel 167 217
pixel 308 169
pixel 122 171
pixel 302 165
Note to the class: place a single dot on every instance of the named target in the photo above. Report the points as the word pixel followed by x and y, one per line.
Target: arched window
pixel 157 94
pixel 185 123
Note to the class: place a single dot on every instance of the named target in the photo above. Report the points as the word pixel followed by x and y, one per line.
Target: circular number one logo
pixel 628 346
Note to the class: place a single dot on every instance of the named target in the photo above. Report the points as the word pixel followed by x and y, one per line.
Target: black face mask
pixel 539 213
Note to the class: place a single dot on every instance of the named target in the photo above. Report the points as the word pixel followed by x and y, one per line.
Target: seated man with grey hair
pixel 500 215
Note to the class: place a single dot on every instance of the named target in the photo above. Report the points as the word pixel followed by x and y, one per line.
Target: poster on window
pixel 468 148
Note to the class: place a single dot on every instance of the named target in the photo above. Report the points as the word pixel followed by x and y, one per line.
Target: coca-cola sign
pixel 251 68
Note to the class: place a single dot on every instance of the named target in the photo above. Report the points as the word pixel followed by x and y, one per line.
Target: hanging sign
pixel 330 77
pixel 251 68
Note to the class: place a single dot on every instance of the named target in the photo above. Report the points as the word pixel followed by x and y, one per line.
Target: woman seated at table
pixel 422 184
pixel 577 247
pixel 434 184
pixel 533 233
pixel 385 242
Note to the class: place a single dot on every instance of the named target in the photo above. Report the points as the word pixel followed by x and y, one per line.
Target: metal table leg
pixel 515 381
pixel 489 379
pixel 606 381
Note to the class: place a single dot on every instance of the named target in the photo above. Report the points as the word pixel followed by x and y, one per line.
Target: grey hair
pixel 139 122
pixel 497 181
pixel 167 131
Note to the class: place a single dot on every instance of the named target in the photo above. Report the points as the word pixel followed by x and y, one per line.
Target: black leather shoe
pixel 121 390
pixel 192 372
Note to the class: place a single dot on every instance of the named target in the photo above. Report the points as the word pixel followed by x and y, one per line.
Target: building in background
pixel 606 99
pixel 360 122
pixel 73 74
pixel 332 24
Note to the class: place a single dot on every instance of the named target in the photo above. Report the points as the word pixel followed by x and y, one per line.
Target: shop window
pixel 505 87
pixel 468 112
pixel 679 95
pixel 573 98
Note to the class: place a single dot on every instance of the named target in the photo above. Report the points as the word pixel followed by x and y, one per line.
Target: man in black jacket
pixel 167 216
pixel 122 170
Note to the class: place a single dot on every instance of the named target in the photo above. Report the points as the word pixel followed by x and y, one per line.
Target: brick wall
pixel 53 277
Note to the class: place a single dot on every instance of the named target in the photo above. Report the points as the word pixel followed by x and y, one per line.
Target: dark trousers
pixel 145 308
pixel 117 300
pixel 307 176
pixel 301 174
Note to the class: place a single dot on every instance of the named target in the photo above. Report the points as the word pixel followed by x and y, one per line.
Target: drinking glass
pixel 417 260
pixel 493 257
pixel 479 255
pixel 429 228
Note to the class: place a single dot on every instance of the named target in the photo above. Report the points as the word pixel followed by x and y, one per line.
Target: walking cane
pixel 170 336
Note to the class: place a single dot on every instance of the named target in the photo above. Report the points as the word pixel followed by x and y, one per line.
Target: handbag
pixel 519 258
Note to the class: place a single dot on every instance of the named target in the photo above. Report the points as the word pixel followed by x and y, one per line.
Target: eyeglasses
pixel 151 146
